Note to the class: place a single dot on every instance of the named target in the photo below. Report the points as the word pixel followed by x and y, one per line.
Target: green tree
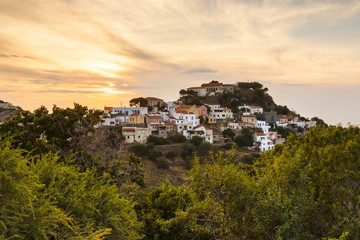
pixel 42 198
pixel 229 133
pixel 159 209
pixel 196 141
pixel 245 138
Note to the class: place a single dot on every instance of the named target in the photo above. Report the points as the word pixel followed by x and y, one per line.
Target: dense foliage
pixel 42 198
pixel 60 178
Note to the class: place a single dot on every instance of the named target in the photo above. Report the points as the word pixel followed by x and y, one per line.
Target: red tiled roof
pixel 195 88
pixel 156 124
pixel 182 107
pixel 108 108
pixel 260 134
pixel 169 124
pixel 128 129
pixel 154 117
pixel 184 112
pixel 211 84
pixel 134 114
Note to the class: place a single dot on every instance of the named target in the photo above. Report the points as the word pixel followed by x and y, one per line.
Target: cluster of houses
pixel 165 119
pixel 138 123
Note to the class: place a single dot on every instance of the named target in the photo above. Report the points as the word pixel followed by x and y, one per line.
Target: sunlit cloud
pixel 100 51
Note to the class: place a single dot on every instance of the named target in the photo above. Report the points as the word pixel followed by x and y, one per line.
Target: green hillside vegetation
pixel 251 93
pixel 60 178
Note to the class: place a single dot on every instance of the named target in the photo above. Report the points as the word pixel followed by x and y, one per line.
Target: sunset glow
pixel 106 52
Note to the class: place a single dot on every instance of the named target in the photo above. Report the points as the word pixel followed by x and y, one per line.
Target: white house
pixel 127 111
pixel 263 125
pixel 188 117
pixel 134 134
pixel 310 124
pixel 221 114
pixel 282 124
pixel 264 141
pixel 109 122
pixel 251 110
pixel 200 91
pixel 201 131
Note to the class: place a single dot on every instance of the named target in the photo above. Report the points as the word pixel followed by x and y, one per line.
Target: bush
pixel 162 163
pixel 139 150
pixel 204 149
pixel 177 138
pixel 196 141
pixel 187 150
pixel 229 133
pixel 159 140
pixel 171 155
pixel 153 154
pixel 228 145
pixel 250 159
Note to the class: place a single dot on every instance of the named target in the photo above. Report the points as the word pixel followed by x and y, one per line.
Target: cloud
pixel 199 70
pixel 6 90
pixel 15 56
pixel 295 84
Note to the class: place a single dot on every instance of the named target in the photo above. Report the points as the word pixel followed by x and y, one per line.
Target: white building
pixel 264 142
pixel 188 117
pixel 127 111
pixel 200 91
pixel 263 125
pixel 251 110
pixel 310 124
pixel 201 131
pixel 134 134
pixel 109 122
pixel 221 114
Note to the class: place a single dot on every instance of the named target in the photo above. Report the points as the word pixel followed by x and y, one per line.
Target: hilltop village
pixel 216 112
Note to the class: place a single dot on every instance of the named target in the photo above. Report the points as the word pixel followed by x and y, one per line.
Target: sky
pixel 104 53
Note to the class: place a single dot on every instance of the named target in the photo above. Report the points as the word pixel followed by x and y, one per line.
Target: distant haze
pixel 101 53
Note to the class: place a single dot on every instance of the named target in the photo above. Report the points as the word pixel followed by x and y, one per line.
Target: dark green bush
pixel 177 138
pixel 187 150
pixel 159 140
pixel 162 163
pixel 139 150
pixel 204 149
pixel 153 154
pixel 171 155
pixel 196 141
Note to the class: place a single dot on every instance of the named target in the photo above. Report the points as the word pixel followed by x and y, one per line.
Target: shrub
pixel 204 149
pixel 139 150
pixel 171 155
pixel 153 154
pixel 229 133
pixel 196 141
pixel 177 138
pixel 162 163
pixel 187 150
pixel 228 145
pixel 159 140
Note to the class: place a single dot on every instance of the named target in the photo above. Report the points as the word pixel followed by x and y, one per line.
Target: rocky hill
pixel 6 110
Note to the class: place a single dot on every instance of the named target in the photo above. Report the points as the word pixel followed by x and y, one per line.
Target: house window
pixel 138 136
pixel 128 137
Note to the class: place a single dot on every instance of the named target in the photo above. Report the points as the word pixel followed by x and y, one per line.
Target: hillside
pixel 250 93
pixel 6 110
